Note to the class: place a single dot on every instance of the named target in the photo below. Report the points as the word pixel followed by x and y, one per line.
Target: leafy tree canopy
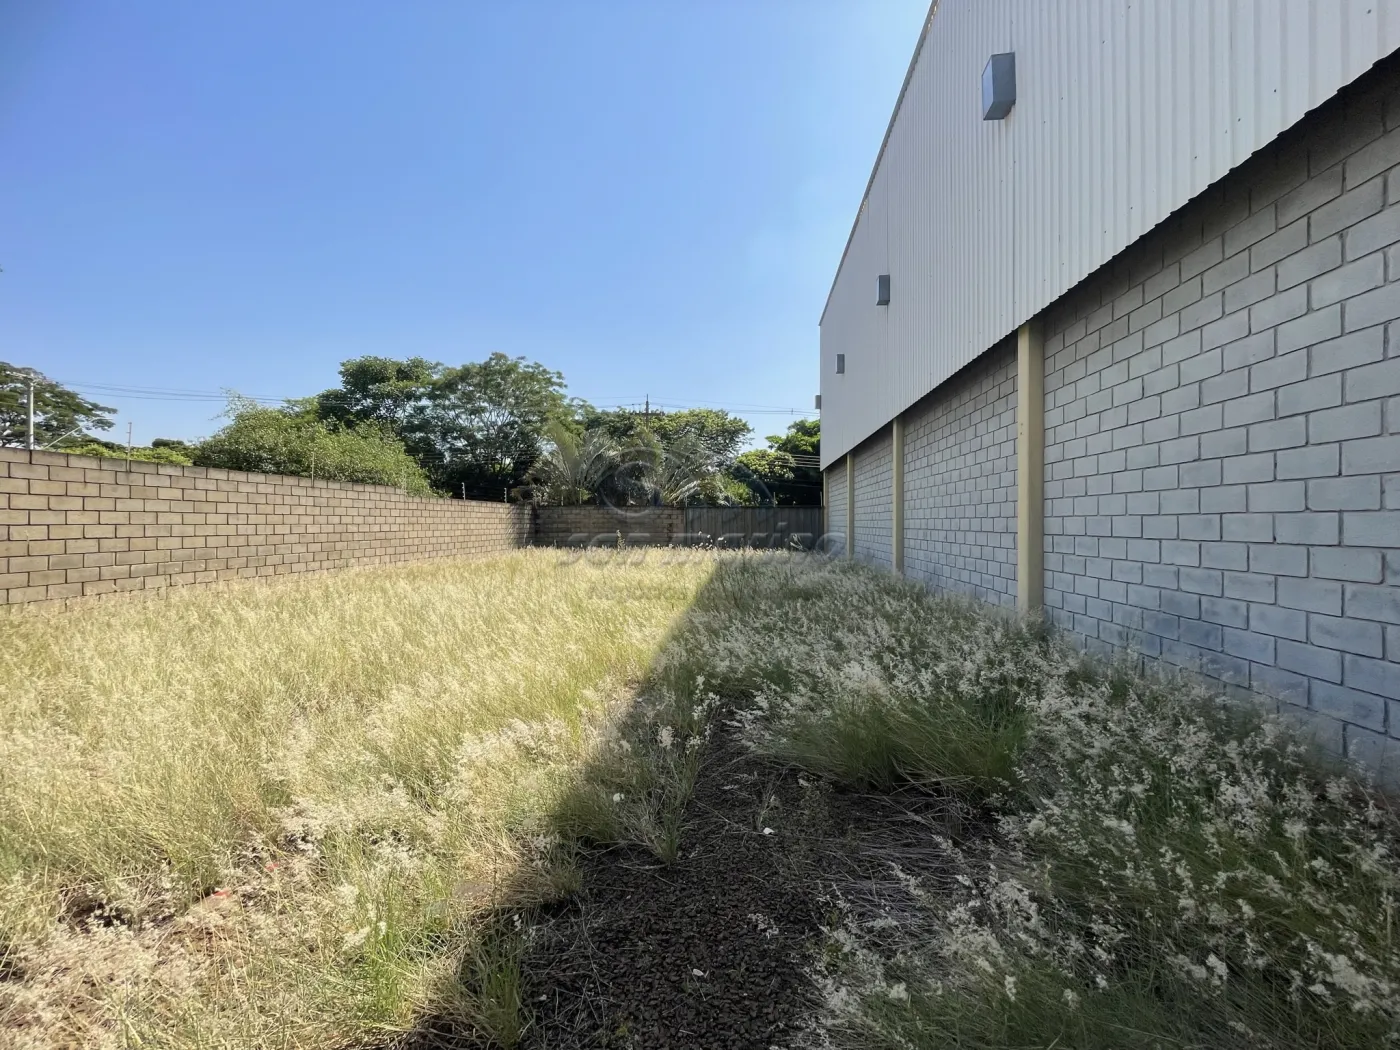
pixel 61 416
pixel 379 390
pixel 716 434
pixel 291 440
pixel 803 438
pixel 482 424
pixel 786 471
pixel 670 457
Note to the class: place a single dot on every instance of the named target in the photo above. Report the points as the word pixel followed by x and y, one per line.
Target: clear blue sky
pixel 650 196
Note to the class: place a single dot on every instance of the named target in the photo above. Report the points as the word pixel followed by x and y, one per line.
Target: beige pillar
pixel 897 495
pixel 850 504
pixel 1030 467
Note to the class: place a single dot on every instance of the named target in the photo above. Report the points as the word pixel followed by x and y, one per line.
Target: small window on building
pixel 840 364
pixel 882 290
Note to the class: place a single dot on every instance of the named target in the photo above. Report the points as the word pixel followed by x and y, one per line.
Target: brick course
pixel 1222 439
pixel 960 481
pixel 578 526
pixel 836 507
pixel 73 526
pixel 1223 482
pixel 873 492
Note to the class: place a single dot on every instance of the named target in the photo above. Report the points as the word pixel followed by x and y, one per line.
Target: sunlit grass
pixel 314 813
pixel 282 815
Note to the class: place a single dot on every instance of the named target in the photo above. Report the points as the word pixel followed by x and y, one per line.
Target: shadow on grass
pixel 656 910
pixel 688 884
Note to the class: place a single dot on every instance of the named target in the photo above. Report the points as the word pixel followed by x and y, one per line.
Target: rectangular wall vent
pixel 882 290
pixel 999 86
pixel 840 364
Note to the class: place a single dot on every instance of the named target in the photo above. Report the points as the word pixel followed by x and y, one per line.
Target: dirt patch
pixel 708 952
pixel 716 950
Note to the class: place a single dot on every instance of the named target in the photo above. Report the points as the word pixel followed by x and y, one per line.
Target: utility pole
pixel 30 443
pixel 646 412
pixel 128 446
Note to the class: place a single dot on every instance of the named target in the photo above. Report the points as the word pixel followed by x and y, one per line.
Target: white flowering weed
pixel 1163 867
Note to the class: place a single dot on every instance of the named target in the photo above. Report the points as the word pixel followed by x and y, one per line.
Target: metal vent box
pixel 999 86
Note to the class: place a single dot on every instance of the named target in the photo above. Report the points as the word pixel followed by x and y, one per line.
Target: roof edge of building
pixel 889 129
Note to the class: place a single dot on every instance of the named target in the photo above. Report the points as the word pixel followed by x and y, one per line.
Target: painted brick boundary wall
pixel 72 526
pixel 1222 439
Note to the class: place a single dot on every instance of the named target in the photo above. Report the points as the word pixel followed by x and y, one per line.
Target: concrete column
pixel 850 504
pixel 1030 467
pixel 826 500
pixel 897 495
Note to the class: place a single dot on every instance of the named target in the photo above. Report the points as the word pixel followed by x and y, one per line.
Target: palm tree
pixel 574 466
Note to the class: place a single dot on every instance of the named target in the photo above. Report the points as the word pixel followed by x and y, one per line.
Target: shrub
pixel 109 450
pixel 287 441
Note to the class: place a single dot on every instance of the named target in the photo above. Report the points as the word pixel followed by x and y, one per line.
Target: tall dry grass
pixel 277 816
pixel 1143 863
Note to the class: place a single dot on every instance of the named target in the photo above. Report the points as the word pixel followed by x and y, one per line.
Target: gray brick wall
pixel 960 481
pixel 874 493
pixel 1223 433
pixel 836 507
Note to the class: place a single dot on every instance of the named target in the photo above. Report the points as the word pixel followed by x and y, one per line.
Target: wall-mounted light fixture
pixel 999 86
pixel 882 290
pixel 840 364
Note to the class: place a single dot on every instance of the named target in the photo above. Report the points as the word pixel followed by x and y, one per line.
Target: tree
pixel 291 440
pixel 671 457
pixel 60 414
pixel 378 390
pixel 575 466
pixel 482 425
pixel 713 433
pixel 787 471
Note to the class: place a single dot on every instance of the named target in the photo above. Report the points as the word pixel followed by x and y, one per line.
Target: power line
pixel 146 393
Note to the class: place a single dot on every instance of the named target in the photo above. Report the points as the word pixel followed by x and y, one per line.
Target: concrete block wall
pixel 1222 408
pixel 579 526
pixel 873 492
pixel 73 526
pixel 836 507
pixel 960 481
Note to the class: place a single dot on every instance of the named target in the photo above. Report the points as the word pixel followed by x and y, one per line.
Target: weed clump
pixel 1164 867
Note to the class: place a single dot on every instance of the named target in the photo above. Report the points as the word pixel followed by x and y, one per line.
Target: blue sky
pixel 649 196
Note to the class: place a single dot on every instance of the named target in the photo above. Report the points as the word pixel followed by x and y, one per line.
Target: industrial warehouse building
pixel 1115 334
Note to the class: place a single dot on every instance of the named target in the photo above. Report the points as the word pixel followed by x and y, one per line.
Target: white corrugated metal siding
pixel 1124 111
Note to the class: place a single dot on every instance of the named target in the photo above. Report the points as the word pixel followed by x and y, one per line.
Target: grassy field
pixel 307 814
pixel 275 815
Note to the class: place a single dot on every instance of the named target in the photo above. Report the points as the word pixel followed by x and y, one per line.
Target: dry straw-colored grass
pixel 304 815
pixel 276 815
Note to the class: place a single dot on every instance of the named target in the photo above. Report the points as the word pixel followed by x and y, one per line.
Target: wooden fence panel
pixel 773 527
